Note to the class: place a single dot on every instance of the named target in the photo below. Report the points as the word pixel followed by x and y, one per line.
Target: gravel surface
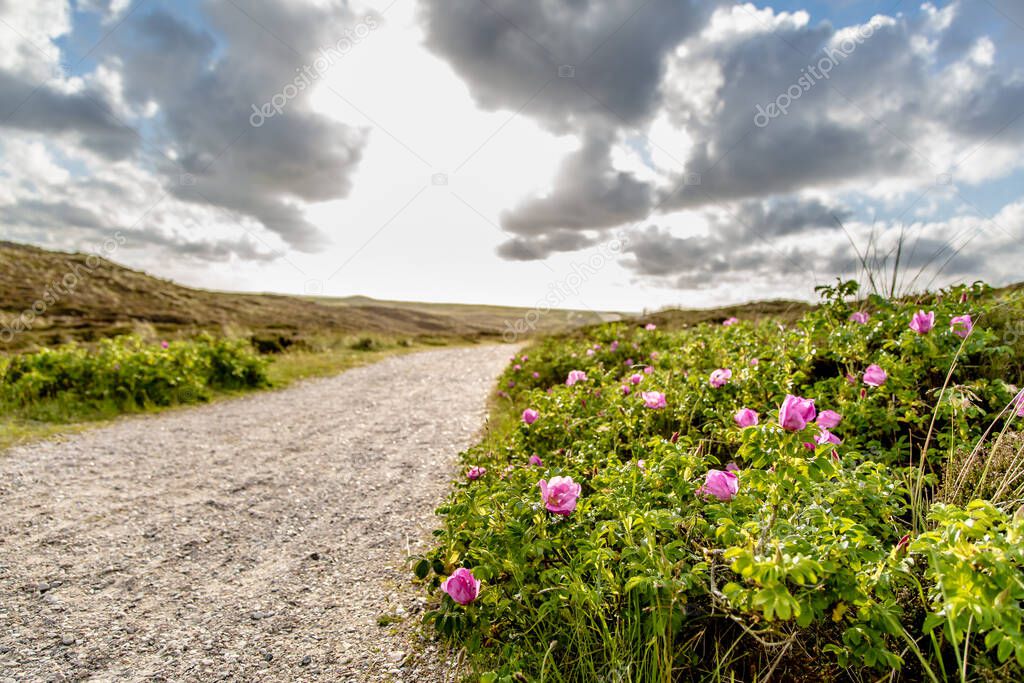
pixel 257 539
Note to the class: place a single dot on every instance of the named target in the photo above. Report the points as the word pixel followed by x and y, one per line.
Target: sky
pixel 600 154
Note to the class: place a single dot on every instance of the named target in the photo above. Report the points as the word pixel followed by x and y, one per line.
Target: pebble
pixel 306 661
pixel 67 639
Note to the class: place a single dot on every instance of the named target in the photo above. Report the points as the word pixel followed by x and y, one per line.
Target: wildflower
pixel 517 367
pixel 650 327
pixel 875 376
pixel 859 317
pixel 1019 402
pixel 636 378
pixel 961 326
pixel 524 358
pixel 559 495
pixel 796 412
pixel 828 419
pixel 629 361
pixel 530 416
pixel 626 391
pixel 754 362
pixel 590 352
pixel 732 467
pixel 648 370
pixel 613 346
pixel 575 376
pixel 745 417
pixel 903 543
pixel 654 399
pixel 721 484
pixel 729 322
pixel 536 375
pixel 720 377
pixel 536 461
pixel 475 473
pixel 922 322
pixel 462 586
pixel 165 345
pixel 825 436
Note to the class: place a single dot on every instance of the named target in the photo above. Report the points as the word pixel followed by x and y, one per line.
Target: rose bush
pixel 788 518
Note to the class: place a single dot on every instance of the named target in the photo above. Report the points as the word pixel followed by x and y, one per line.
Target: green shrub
pixel 126 374
pixel 826 565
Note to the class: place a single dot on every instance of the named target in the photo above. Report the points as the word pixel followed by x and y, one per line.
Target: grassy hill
pixel 86 298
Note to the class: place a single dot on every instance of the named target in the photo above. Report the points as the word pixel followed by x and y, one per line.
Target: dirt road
pixel 262 538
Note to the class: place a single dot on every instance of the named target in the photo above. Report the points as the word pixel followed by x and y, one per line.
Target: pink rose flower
pixel 536 461
pixel 636 378
pixel 650 327
pixel 961 326
pixel 720 377
pixel 825 436
pixel 475 473
pixel 829 419
pixel 462 586
pixel 860 317
pixel 729 322
pixel 745 417
pixel 574 377
pixel 875 376
pixel 559 495
pixel 796 412
pixel 654 399
pixel 922 322
pixel 721 484
pixel 530 416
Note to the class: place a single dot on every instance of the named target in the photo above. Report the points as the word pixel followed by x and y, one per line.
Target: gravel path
pixel 257 539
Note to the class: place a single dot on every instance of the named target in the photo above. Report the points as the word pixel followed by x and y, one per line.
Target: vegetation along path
pixel 262 538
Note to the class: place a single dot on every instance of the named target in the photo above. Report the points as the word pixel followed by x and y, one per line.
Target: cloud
pixel 206 101
pixel 175 98
pixel 589 194
pixel 869 112
pixel 513 54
